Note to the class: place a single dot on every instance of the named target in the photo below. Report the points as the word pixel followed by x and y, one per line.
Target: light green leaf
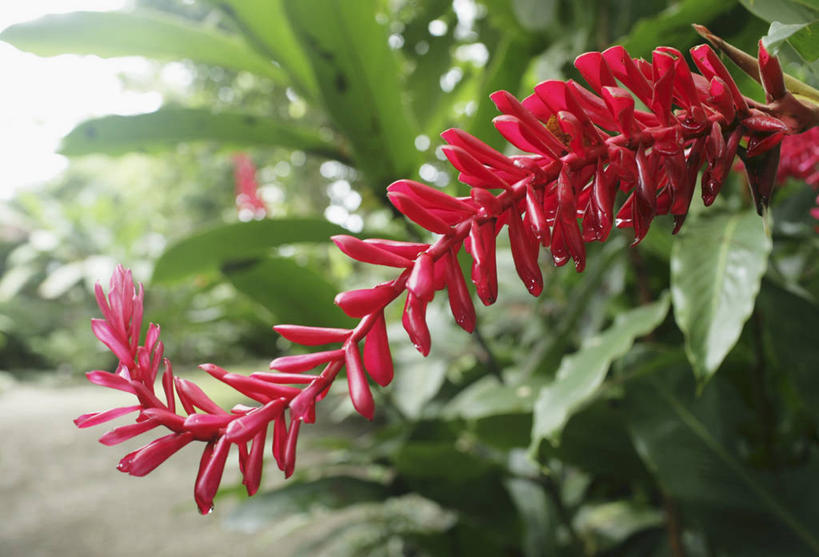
pixel 206 251
pixel 537 515
pixel 488 397
pixel 294 498
pixel 168 127
pixel 784 11
pixel 581 374
pixel 717 263
pixel 139 33
pixel 803 37
pixel 265 26
pixel 358 79
pixel 292 292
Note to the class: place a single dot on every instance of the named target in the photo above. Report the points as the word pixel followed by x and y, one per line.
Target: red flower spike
pixel 312 336
pixel 581 148
pixel 377 356
pixel 360 393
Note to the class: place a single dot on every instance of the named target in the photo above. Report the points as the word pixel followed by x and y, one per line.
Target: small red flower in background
pixel 800 159
pixel 584 147
pixel 248 202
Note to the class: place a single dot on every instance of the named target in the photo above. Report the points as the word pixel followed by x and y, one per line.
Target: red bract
pixel 584 147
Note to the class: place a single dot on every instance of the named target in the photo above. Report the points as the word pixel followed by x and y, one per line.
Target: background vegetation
pixel 594 420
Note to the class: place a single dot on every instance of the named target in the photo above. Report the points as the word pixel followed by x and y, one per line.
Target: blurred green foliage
pixel 604 418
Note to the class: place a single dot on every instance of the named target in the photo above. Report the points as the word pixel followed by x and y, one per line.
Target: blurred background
pixel 213 147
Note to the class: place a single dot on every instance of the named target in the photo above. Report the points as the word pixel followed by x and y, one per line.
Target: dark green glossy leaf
pixel 294 498
pixel 717 263
pixel 292 292
pixel 690 443
pixel 139 33
pixel 167 127
pixel 581 374
pixel 206 251
pixel 358 79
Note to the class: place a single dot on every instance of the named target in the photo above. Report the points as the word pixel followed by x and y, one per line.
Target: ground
pixel 60 492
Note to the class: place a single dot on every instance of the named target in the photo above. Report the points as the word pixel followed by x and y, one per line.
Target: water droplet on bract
pixel 122 467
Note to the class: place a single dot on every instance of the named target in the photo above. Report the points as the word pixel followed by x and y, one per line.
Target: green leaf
pixel 717 263
pixel 581 374
pixel 206 251
pixel 292 292
pixel 265 26
pixel 139 33
pixel 609 524
pixel 297 497
pixel 488 397
pixel 803 37
pixel 167 127
pixel 673 25
pixel 785 11
pixel 358 80
pixel 537 514
pixel 690 444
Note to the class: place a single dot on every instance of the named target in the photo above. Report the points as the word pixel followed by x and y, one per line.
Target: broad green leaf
pixel 609 524
pixel 488 397
pixel 294 498
pixel 803 37
pixel 139 33
pixel 206 251
pixel 265 26
pixel 417 383
pixel 581 374
pixel 168 127
pixel 358 79
pixel 673 25
pixel 717 263
pixel 690 443
pixel 784 11
pixel 292 292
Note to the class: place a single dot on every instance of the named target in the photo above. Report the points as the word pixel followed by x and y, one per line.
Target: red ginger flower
pixel 584 147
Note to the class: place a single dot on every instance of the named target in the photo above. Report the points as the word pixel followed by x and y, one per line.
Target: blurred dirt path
pixel 60 494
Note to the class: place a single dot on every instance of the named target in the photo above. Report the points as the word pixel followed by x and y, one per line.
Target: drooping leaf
pixel 358 77
pixel 581 374
pixel 167 127
pixel 690 443
pixel 265 26
pixel 296 497
pixel 292 292
pixel 537 515
pixel 784 11
pixel 206 251
pixel 803 37
pixel 138 33
pixel 717 264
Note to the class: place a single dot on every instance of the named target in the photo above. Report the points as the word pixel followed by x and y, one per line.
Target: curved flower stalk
pixel 584 146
